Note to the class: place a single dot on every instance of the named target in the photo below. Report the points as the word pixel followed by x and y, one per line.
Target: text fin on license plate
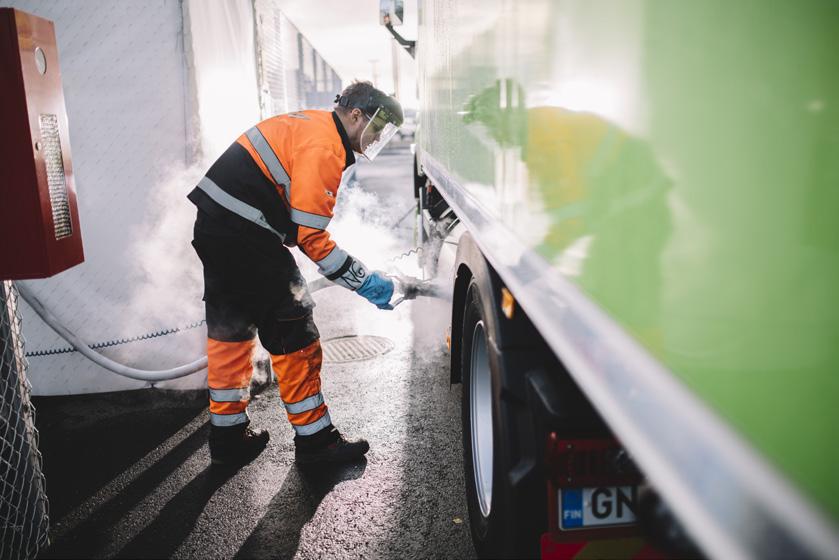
pixel 605 506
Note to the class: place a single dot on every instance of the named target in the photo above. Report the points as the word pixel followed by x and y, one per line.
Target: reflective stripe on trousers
pixel 229 371
pixel 307 404
pixel 314 427
pixel 230 395
pixel 225 420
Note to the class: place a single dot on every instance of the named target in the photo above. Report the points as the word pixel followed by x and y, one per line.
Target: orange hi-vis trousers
pixel 251 289
pixel 298 375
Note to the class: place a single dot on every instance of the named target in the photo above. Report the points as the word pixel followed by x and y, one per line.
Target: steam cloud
pixel 169 279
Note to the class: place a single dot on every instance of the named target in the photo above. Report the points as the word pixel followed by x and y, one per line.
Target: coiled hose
pixel 151 376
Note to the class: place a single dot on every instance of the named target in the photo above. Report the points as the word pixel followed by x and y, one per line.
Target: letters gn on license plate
pixel 581 508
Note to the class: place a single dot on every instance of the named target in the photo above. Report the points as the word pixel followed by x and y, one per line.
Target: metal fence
pixel 24 510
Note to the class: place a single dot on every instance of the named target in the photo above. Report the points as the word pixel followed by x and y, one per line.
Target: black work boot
pixel 328 446
pixel 236 445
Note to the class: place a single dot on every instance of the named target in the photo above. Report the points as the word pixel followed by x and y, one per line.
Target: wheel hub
pixel 480 399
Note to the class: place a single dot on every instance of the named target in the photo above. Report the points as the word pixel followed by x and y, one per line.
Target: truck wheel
pixel 483 461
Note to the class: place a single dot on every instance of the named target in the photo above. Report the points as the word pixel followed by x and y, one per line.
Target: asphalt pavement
pixel 129 476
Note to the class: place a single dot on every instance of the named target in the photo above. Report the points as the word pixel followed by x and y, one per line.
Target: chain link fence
pixel 24 510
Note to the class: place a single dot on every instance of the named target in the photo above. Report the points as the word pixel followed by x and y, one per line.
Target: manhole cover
pixel 354 348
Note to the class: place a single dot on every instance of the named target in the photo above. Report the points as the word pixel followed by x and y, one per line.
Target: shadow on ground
pixel 112 430
pixel 88 440
pixel 85 452
pixel 278 533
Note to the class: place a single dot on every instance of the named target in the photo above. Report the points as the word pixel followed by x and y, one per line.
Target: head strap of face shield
pixel 369 108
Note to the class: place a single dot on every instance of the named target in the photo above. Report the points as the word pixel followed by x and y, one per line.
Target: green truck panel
pixel 679 162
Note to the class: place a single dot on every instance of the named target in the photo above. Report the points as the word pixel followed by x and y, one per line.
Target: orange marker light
pixel 508 303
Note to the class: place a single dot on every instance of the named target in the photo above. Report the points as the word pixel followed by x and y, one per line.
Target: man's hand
pixel 377 289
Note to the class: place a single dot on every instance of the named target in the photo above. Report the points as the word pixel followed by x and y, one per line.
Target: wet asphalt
pixel 128 475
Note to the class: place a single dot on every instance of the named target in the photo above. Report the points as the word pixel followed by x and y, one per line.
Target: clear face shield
pixel 378 132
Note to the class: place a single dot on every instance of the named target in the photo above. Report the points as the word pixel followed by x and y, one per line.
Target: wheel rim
pixel 480 414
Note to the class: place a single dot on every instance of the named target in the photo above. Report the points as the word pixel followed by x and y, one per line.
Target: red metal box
pixel 39 221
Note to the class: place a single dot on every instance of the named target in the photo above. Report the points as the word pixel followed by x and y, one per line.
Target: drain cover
pixel 354 348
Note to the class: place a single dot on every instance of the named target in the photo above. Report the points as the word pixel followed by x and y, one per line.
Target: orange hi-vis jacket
pixel 281 177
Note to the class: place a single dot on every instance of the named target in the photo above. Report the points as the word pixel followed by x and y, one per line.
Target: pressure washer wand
pixel 408 287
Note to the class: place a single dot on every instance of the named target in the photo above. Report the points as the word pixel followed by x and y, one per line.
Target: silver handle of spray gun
pixel 399 285
pixel 409 288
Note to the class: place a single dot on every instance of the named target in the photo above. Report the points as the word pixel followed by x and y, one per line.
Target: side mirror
pixel 391 12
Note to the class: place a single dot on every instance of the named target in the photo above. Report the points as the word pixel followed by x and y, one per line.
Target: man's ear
pixel 356 113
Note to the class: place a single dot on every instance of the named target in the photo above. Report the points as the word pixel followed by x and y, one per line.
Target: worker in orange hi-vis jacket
pixel 273 188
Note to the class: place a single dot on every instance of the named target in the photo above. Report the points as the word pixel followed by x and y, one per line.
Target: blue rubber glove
pixel 377 289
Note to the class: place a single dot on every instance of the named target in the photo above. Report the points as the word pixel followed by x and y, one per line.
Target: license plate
pixel 597 507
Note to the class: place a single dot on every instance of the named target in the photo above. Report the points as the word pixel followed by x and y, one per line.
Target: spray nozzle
pixel 408 287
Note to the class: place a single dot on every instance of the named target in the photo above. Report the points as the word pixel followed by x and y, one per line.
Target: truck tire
pixel 485 436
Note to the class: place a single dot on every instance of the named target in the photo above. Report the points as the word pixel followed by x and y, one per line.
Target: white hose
pixel 152 376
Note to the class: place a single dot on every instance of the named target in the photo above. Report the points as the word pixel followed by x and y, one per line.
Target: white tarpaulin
pixel 155 90
pixel 221 35
pixel 124 76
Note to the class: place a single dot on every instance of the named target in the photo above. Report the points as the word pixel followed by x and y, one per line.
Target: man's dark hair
pixel 356 95
pixel 364 95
